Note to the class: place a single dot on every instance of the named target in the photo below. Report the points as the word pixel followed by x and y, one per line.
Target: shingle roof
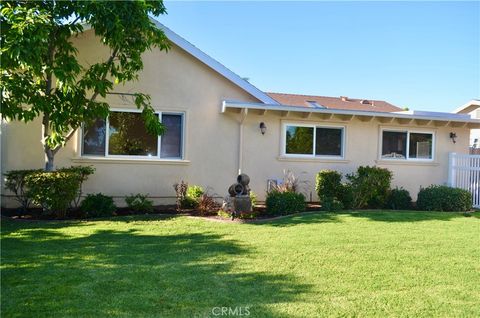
pixel 334 102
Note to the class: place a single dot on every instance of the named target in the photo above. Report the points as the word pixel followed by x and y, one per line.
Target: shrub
pixel 290 183
pixel 332 193
pixel 206 204
pixel 328 185
pixel 98 205
pixel 282 203
pixel 195 192
pixel 443 198
pixel 224 214
pixel 370 186
pixel 188 203
pixel 15 182
pixel 180 193
pixel 139 203
pixel 53 190
pixel 253 198
pixel 399 199
pixel 83 172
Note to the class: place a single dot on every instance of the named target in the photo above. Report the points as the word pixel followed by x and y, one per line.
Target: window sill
pixel 312 159
pixel 406 162
pixel 131 160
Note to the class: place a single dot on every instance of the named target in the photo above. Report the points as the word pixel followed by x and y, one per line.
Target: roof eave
pixel 296 109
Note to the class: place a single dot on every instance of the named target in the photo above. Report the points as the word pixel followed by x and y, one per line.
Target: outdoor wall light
pixel 453 136
pixel 263 128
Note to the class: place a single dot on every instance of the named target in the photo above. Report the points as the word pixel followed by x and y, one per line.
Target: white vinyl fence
pixel 464 172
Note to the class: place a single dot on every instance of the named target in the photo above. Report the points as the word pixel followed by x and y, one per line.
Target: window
pixel 127 136
pixel 407 145
pixel 306 140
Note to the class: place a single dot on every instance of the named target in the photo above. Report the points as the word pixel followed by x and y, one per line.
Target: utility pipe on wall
pixel 240 140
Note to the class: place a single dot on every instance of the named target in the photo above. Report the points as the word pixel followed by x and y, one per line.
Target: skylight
pixel 314 104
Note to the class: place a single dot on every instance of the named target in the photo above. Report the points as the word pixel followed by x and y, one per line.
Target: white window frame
pixel 408 131
pixel 314 126
pixel 159 140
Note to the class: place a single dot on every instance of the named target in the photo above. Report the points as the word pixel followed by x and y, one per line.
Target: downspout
pixel 240 140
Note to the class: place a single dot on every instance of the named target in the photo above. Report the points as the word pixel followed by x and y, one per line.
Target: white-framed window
pixel 407 145
pixel 306 140
pixel 123 134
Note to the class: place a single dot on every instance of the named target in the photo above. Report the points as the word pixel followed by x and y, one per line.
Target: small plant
pixel 283 203
pixel 224 214
pixel 206 203
pixel 180 193
pixel 83 172
pixel 98 205
pixel 370 186
pixel 443 198
pixel 290 183
pixel 253 198
pixel 139 203
pixel 399 199
pixel 195 192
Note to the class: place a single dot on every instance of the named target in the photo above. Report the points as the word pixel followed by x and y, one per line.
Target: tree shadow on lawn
pixel 124 273
pixel 374 215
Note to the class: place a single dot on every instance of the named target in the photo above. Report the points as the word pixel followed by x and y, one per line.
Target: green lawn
pixel 358 264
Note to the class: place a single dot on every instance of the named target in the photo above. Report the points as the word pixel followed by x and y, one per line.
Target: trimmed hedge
pixel 283 203
pixel 443 198
pixel 332 193
pixel 139 203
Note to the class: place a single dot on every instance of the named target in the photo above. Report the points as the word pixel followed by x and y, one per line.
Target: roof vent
pixel 344 98
pixel 365 102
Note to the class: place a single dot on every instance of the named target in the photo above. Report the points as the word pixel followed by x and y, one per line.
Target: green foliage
pixel 224 214
pixel 283 203
pixel 333 195
pixel 139 203
pixel 41 74
pixel 188 203
pixel 253 198
pixel 98 205
pixel 370 186
pixel 53 190
pixel 15 182
pixel 443 198
pixel 399 199
pixel 195 192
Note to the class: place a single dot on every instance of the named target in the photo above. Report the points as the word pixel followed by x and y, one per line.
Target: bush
pixel 370 186
pixel 206 204
pixel 399 199
pixel 139 203
pixel 282 203
pixel 333 195
pixel 15 182
pixel 98 205
pixel 253 198
pixel 443 198
pixel 194 192
pixel 53 190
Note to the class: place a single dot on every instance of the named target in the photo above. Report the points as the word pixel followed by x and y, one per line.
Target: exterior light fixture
pixel 263 128
pixel 453 136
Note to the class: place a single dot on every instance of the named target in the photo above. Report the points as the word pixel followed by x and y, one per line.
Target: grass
pixel 357 264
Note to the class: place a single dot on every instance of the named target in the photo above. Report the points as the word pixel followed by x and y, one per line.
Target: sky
pixel 420 55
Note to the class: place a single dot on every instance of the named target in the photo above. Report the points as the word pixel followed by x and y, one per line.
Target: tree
pixel 40 72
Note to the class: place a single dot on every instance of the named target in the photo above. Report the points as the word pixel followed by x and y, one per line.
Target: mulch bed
pixel 35 214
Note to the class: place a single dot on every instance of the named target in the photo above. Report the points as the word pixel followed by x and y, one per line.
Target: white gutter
pixel 240 141
pixel 448 117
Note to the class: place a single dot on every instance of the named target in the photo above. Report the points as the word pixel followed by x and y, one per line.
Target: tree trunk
pixel 49 156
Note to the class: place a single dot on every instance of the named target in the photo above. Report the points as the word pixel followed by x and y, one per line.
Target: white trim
pixel 214 64
pixel 133 157
pixel 407 151
pixel 445 117
pixel 284 155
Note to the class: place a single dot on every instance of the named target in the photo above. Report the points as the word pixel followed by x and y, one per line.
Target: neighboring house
pixel 213 118
pixel 472 108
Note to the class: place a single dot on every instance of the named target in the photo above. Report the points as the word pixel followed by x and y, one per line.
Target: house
pixel 472 108
pixel 219 125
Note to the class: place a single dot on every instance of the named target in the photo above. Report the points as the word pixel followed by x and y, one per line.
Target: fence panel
pixel 464 172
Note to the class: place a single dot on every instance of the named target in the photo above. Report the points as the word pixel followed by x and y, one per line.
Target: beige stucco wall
pixel 177 81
